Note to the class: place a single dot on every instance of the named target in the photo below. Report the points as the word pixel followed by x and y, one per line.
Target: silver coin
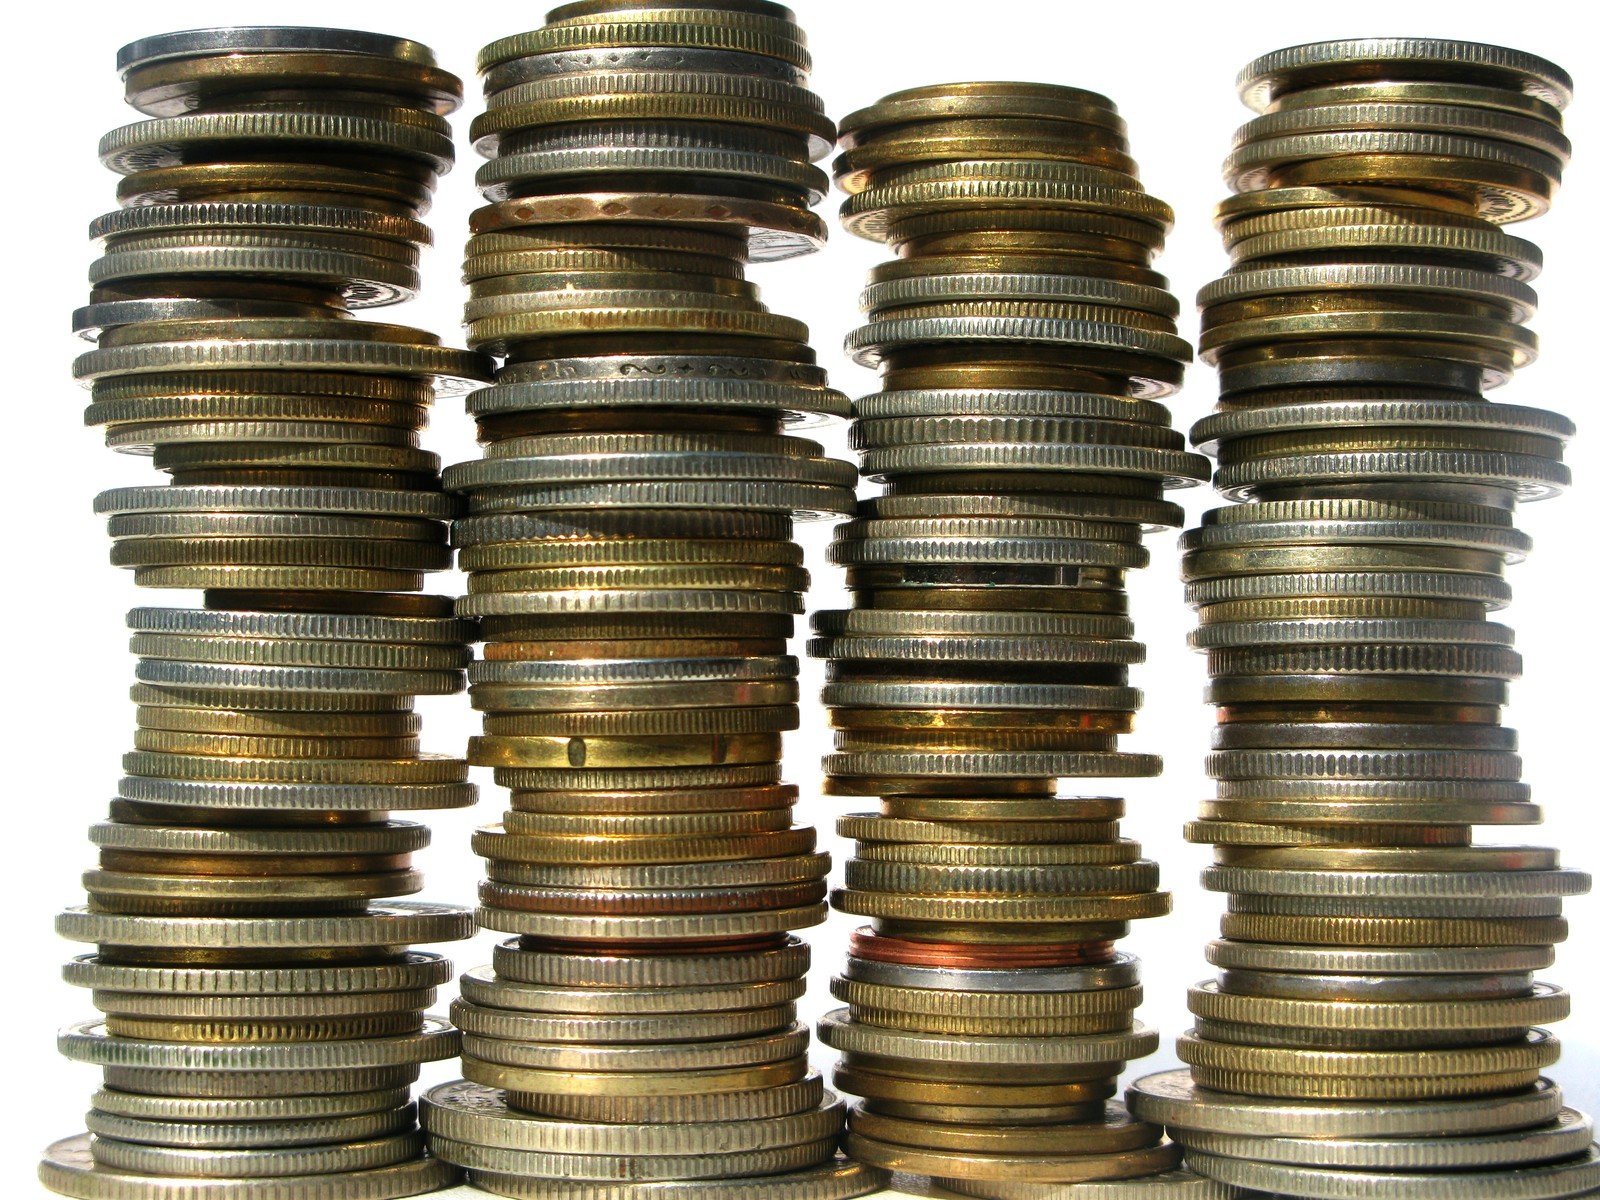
pixel 1483 885
pixel 253 1135
pixel 1057 552
pixel 1009 402
pixel 1556 1181
pixel 1172 1098
pixel 261 1109
pixel 787 961
pixel 636 1170
pixel 1120 972
pixel 973 648
pixel 352 501
pixel 89 1042
pixel 393 923
pixel 838 1030
pixel 890 693
pixel 840 1180
pixel 801 501
pixel 1567 1136
pixel 211 1163
pixel 386 837
pixel 211 622
pixel 959 624
pixel 1003 764
pixel 297 797
pixel 799 403
pixel 632 670
pixel 1374 988
pixel 69 1168
pixel 1336 905
pixel 501 176
pixel 470 1113
pixel 1266 956
pixel 263 39
pixel 1168 1185
pixel 639 58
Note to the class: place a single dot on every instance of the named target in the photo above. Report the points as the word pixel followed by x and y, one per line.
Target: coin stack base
pixel 1375 1027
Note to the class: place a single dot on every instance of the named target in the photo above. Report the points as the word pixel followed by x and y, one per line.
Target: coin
pixel 69 1168
pixel 1173 1098
pixel 1560 1179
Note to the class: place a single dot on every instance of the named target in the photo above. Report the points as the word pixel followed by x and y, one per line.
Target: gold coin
pixel 687 824
pixel 876 1085
pixel 499 556
pixel 659 648
pixel 236 1032
pixel 1394 1067
pixel 283 724
pixel 1394 931
pixel 991 1026
pixel 232 745
pixel 1366 1088
pixel 1393 858
pixel 625 752
pixel 990 809
pixel 1110 1133
pixel 631 1083
pixel 1002 909
pixel 497 844
pixel 1043 1168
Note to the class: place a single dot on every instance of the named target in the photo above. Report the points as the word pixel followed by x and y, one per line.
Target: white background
pixel 1170 69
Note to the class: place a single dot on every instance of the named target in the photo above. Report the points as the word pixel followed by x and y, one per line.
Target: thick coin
pixel 836 1029
pixel 841 1180
pixel 1262 956
pixel 91 1042
pixel 1121 972
pixel 1567 1136
pixel 1114 1131
pixel 1062 1168
pixel 467 1112
pixel 1570 1177
pixel 71 1169
pixel 231 1136
pixel 135 1158
pixel 390 924
pixel 1167 1185
pixel 1542 1004
pixel 1173 1098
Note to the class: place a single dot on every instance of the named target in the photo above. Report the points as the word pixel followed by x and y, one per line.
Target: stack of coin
pixel 263 1013
pixel 1375 1027
pixel 1024 343
pixel 630 558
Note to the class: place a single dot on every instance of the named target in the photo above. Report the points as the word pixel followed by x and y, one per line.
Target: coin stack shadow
pixel 1023 340
pixel 262 1012
pixel 628 543
pixel 1375 1026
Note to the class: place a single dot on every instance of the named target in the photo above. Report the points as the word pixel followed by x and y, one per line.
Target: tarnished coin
pixel 70 1168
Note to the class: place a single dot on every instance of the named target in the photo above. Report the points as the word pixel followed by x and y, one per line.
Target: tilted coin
pixel 1543 1182
pixel 1567 1136
pixel 70 1168
pixel 1173 1098
pixel 840 1180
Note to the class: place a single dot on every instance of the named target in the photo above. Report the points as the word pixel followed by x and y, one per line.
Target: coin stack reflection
pixel 1375 1027
pixel 628 543
pixel 1024 343
pixel 262 1013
